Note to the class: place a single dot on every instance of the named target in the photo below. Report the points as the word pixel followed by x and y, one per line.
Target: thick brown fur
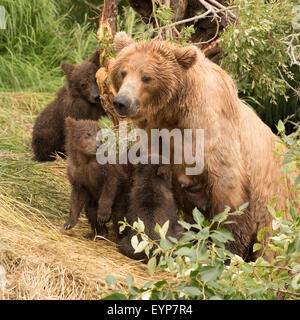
pixel 94 186
pixel 79 99
pixel 187 91
pixel 149 197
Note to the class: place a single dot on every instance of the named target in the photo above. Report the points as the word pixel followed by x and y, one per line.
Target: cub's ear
pixel 70 123
pixel 95 59
pixel 67 68
pixel 164 171
pixel 121 40
pixel 186 56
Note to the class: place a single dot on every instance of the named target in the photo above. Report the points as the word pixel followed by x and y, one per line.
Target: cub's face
pixel 83 81
pixel 81 78
pixel 81 134
pixel 147 75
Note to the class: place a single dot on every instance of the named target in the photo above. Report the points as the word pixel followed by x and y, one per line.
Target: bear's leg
pixel 91 213
pixel 107 199
pixel 228 190
pixel 78 198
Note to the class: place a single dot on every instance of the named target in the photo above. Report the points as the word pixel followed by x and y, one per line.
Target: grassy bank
pixel 41 260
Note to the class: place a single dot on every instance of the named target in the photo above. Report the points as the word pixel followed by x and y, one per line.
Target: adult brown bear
pixel 160 85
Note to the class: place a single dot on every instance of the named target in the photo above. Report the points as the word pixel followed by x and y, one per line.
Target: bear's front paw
pixel 69 225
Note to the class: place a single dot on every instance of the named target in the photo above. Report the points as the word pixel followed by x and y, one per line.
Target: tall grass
pixel 38 36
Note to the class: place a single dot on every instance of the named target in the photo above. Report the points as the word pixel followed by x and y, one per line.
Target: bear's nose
pixel 97 97
pixel 121 103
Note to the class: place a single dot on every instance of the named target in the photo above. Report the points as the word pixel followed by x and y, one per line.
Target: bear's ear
pixel 70 123
pixel 121 40
pixel 186 56
pixel 67 68
pixel 95 59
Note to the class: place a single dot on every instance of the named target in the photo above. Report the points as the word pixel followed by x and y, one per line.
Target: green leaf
pixel 184 251
pixel 134 242
pixel 174 240
pixel 187 236
pixel 222 235
pixel 115 296
pixel 297 181
pixel 192 291
pixel 148 284
pixel 244 206
pixel 130 280
pixel 160 283
pixel 140 226
pixel 210 273
pixel 203 234
pixel 151 266
pixel 247 267
pixel 296 282
pixel 280 126
pixel 198 216
pixel 294 246
pixel 293 212
pixel 165 227
pixel 164 243
pixel 110 280
pixel 221 216
pixel 122 226
pixel 256 247
pixel 185 225
pixel 141 247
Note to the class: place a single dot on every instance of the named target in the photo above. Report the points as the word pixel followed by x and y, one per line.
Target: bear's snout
pixel 124 105
pixel 97 97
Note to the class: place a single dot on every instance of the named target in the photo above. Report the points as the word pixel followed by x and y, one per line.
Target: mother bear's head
pixel 147 75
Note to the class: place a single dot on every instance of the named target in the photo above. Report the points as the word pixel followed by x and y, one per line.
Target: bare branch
pixel 291 47
pixel 202 16
pixel 220 6
pixel 281 76
pixel 91 5
pixel 215 7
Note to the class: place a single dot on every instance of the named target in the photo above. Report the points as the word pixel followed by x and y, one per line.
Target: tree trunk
pixel 106 31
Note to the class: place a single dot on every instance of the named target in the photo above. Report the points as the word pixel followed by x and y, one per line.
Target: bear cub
pixel 149 198
pixel 79 99
pixel 94 186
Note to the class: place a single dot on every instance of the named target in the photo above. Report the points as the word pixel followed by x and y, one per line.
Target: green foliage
pixel 130 22
pixel 38 36
pixel 197 264
pixel 291 158
pixel 255 49
pixel 257 54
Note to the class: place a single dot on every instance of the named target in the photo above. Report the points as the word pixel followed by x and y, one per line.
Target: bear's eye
pixel 123 74
pixel 83 85
pixel 88 135
pixel 146 79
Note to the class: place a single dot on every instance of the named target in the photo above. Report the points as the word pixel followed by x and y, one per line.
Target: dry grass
pixel 41 260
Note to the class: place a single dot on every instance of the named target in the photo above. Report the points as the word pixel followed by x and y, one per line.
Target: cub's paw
pixel 69 225
pixel 90 236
